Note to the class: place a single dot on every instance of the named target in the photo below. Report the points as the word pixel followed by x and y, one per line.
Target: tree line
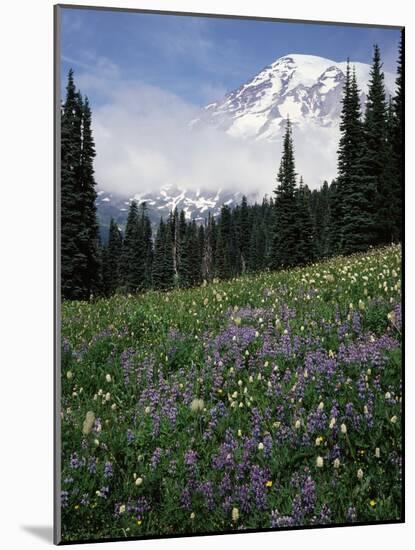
pixel 362 207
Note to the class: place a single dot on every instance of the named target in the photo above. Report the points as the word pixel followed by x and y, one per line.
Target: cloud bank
pixel 144 141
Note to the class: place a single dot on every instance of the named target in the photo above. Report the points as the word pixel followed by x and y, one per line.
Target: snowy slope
pixel 306 88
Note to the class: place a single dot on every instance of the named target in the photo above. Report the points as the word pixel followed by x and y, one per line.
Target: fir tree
pixel 112 258
pixel 80 254
pixel 147 246
pixel 194 254
pixel 71 258
pixel 321 219
pixel 89 236
pixel 163 268
pixel 223 244
pixel 183 252
pixel 133 259
pixel 244 234
pixel 397 143
pixel 305 238
pixel 284 240
pixel 359 187
pixel 208 255
pixel 375 157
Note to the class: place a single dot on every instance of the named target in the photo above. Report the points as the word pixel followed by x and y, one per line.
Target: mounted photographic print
pixel 229 230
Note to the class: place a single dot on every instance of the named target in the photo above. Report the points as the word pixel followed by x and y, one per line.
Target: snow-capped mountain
pixel 196 204
pixel 306 88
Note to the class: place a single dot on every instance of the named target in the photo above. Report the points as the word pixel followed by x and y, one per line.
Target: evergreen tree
pixel 375 157
pixel 397 143
pixel 90 236
pixel 223 244
pixel 335 219
pixel 106 272
pixel 285 233
pixel 183 252
pixel 163 267
pixel 208 255
pixel 193 254
pixel 305 238
pixel 244 228
pixel 201 247
pixel 71 258
pixel 359 185
pixel 348 152
pixel 80 247
pixel 257 253
pixel 321 218
pixel 133 258
pixel 112 258
pixel 147 246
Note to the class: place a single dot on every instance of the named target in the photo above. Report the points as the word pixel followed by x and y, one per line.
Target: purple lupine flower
pixel 325 515
pixel 92 465
pixel 227 503
pixel 108 471
pixel 243 496
pixel 190 458
pixel 351 514
pixel 85 499
pixel 258 480
pixel 75 462
pixel 278 520
pixel 155 459
pixel 186 497
pixel 206 489
pixel 64 499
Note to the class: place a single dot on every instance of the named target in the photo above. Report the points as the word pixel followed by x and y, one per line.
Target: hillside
pixel 265 401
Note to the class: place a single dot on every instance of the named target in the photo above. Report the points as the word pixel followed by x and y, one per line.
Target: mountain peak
pixel 307 88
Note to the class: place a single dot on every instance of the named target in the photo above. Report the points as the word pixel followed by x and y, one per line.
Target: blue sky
pixel 200 59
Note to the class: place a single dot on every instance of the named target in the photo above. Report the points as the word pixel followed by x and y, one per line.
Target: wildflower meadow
pixel 266 401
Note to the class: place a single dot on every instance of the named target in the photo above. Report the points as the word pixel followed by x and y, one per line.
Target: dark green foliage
pixel 349 152
pixel 285 230
pixel 244 229
pixel 209 247
pixel 377 152
pixel 80 258
pixel 257 260
pixel 193 245
pixel 163 266
pixel 397 136
pixel 358 184
pixel 305 248
pixel 111 260
pixel 147 244
pixel 335 219
pixel 183 253
pixel 137 250
pixel 227 251
pixel 71 121
pixel 133 272
pixel 320 208
pixel 224 246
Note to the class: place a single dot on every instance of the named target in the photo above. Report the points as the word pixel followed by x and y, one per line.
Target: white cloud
pixel 144 141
